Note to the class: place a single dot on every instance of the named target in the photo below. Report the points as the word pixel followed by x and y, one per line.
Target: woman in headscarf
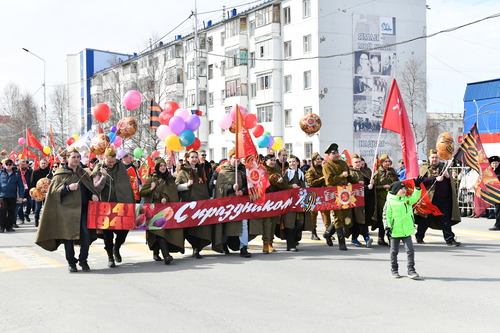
pixel 160 188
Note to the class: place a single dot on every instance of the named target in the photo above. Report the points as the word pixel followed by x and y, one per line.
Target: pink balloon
pixel 183 113
pixel 121 153
pixel 132 99
pixel 21 141
pixel 243 112
pixel 193 122
pixel 118 141
pixel 225 122
pixel 163 131
pixel 177 125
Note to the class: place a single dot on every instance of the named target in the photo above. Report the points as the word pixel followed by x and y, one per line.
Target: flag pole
pixel 376 154
pixel 238 121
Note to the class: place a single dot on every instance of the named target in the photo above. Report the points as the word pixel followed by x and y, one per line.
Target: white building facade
pixel 282 59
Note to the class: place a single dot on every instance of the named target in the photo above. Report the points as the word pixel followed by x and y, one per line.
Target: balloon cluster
pixel 177 128
pixel 264 138
pixel 42 187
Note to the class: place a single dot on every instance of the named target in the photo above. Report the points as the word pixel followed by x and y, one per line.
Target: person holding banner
pixel 443 195
pixel 191 183
pixel 382 180
pixel 267 225
pixel 495 165
pixel 113 182
pixel 231 181
pixel 315 178
pixel 336 172
pixel 64 217
pixel 160 188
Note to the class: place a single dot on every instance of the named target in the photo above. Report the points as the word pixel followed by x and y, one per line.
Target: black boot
pixel 116 253
pixel 314 235
pixel 290 240
pixel 244 252
pixel 328 234
pixel 111 259
pixel 340 234
pixel 156 255
pixel 162 242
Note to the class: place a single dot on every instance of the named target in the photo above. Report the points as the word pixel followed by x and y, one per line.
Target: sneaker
pixel 72 268
pixel 413 275
pixel 369 241
pixel 454 243
pixel 395 275
pixel 494 228
pixel 27 219
pixel 15 225
pixel 356 242
pixel 84 265
pixel 10 229
pixel 420 241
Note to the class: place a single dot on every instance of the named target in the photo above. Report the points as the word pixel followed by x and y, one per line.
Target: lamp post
pixel 44 92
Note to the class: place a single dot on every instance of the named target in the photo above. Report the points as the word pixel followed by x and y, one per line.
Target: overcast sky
pixel 54 28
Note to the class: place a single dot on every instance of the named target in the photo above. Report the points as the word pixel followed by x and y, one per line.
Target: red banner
pixel 122 216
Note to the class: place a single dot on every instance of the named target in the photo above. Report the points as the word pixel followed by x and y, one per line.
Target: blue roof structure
pixel 482 105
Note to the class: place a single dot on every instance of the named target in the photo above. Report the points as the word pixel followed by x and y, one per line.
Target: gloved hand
pixel 388 232
pixel 418 181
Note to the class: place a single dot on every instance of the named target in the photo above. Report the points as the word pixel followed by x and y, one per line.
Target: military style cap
pixel 433 151
pixel 159 160
pixel 494 158
pixel 315 155
pixel 356 156
pixel 396 186
pixel 332 148
pixel 231 153
pixel 110 152
pixel 383 157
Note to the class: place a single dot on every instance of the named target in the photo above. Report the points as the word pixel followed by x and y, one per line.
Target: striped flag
pixel 154 118
pixel 471 153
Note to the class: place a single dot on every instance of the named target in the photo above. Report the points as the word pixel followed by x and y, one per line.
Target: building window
pixel 210 44
pixel 210 72
pixel 243 25
pixel 307 80
pixel 236 57
pixel 222 96
pixel 190 45
pixel 222 68
pixel 288 49
pixel 224 151
pixel 222 38
pixel 210 127
pixel 307 44
pixel 265 114
pixel 264 48
pixel 264 81
pixel 288 83
pixel 253 90
pixel 211 152
pixel 306 8
pixel 308 150
pixel 191 97
pixel 202 68
pixel 232 28
pixel 288 118
pixel 252 29
pixel 267 15
pixel 286 16
pixel 308 109
pixel 289 148
pixel 190 70
pixel 211 99
pixel 252 59
pixel 233 88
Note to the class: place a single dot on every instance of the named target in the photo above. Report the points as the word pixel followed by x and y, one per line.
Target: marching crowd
pixel 63 220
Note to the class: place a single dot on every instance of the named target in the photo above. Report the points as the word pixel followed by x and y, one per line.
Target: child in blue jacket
pixel 399 223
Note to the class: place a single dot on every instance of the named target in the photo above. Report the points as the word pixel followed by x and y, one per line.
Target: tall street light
pixel 44 92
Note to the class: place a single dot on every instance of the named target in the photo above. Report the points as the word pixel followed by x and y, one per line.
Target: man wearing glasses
pixel 26 172
pixel 11 193
pixel 41 172
pixel 206 168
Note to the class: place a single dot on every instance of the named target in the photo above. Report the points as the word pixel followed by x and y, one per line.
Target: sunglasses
pixel 8 164
pixel 203 154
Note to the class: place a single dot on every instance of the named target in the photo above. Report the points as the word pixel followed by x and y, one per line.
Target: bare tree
pixel 60 116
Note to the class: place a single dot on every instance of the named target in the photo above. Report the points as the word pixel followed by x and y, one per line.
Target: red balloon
pixel 102 112
pixel 170 107
pixel 165 117
pixel 156 153
pixel 195 145
pixel 258 130
pixel 70 141
pixel 250 120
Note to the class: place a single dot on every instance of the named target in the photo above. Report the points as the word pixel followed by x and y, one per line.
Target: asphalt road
pixel 318 289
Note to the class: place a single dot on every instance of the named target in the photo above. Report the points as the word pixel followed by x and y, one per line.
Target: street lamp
pixel 44 92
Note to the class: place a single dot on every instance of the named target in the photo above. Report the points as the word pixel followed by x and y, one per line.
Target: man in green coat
pixel 64 216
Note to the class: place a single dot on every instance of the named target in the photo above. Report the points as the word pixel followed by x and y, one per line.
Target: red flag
pixel 99 129
pixel 256 179
pixel 244 143
pixel 28 153
pixel 346 156
pixel 396 120
pixel 33 142
pixel 134 182
pixel 424 205
pixel 147 168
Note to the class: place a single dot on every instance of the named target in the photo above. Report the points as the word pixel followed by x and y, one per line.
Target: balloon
pixel 193 122
pixel 225 122
pixel 172 142
pixel 171 107
pixel 232 113
pixel 126 127
pixel 36 194
pixel 183 113
pixel 118 141
pixel 4 152
pixel 42 185
pixel 177 125
pixel 258 130
pixel 310 123
pixel 138 152
pixel 75 136
pixel 99 143
pixel 21 141
pixel 155 154
pixel 70 141
pixel 195 145
pixel 121 153
pixel 250 120
pixel 165 117
pixel 20 156
pixel 162 131
pixel 186 137
pixel 113 129
pixel 271 141
pixel 445 146
pixel 102 112
pixel 46 150
pixel 132 99
pixel 112 137
pixel 267 133
pixel 263 141
pixel 278 143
